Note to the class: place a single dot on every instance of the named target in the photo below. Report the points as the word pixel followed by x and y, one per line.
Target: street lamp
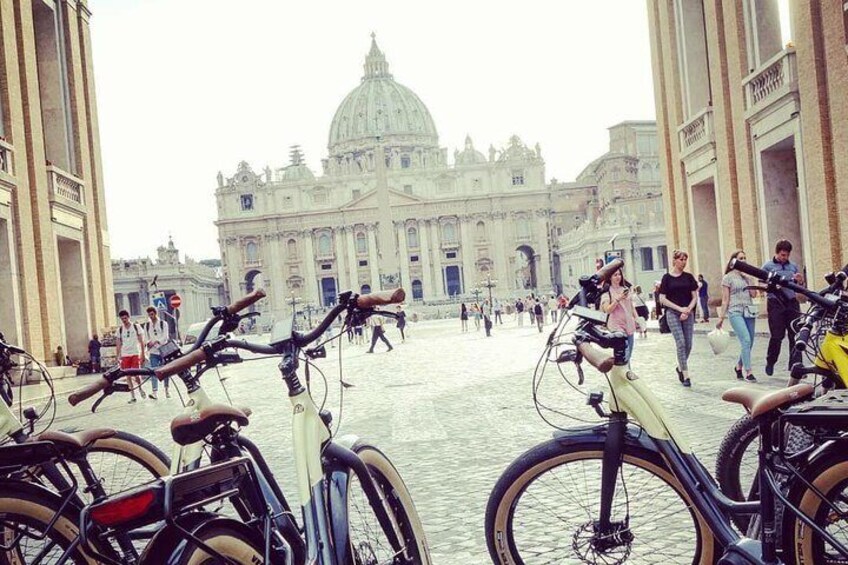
pixel 490 284
pixel 309 309
pixel 476 292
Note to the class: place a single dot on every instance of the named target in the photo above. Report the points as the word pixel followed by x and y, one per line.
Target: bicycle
pixel 593 494
pixel 106 460
pixel 336 476
pixel 820 333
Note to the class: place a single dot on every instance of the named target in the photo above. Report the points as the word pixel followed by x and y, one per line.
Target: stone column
pixel 497 233
pixel 469 258
pixel 543 266
pixel 403 259
pixel 352 259
pixel 436 246
pixel 341 272
pixel 273 264
pixel 424 257
pixel 310 285
pixel 372 258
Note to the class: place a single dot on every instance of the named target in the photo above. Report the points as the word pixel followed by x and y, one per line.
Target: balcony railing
pixel 66 189
pixel 773 80
pixel 697 132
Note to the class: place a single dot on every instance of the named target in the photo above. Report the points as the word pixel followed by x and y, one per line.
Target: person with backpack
pixel 519 311
pixel 129 349
pixel 156 334
pixel 539 313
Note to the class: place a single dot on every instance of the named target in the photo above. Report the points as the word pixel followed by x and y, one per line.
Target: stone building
pixel 389 209
pixel 55 275
pixel 753 129
pixel 199 286
pixel 625 215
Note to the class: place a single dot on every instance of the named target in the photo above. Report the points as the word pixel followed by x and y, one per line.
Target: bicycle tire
pixel 399 504
pixel 228 537
pixel 801 544
pixel 150 461
pixel 503 528
pixel 28 506
pixel 729 464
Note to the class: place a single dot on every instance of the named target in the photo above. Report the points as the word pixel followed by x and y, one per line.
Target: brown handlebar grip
pixel 181 363
pixel 246 301
pixel 597 357
pixel 607 270
pixel 382 298
pixel 88 391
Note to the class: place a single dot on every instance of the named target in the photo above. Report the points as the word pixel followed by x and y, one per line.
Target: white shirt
pixel 129 339
pixel 155 331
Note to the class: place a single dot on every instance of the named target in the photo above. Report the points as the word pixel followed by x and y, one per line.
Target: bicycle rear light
pixel 122 510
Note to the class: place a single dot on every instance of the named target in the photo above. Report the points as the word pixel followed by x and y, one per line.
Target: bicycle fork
pixel 607 533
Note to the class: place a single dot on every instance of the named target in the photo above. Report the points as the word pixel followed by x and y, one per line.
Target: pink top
pixel 621 318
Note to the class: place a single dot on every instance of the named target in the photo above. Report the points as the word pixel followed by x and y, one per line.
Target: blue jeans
pixel 154 361
pixel 744 329
pixel 631 341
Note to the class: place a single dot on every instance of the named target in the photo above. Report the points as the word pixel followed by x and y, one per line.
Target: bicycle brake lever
pixel 580 377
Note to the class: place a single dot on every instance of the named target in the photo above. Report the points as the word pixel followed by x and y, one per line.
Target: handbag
pixel 664 329
pixel 750 310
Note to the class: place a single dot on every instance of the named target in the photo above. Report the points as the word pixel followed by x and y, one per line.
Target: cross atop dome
pixel 376 65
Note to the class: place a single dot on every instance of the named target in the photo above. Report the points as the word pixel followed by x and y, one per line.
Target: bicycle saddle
pixel 192 428
pixel 73 442
pixel 757 402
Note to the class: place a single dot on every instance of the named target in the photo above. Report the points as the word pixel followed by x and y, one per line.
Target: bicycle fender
pixel 169 544
pixel 337 493
pixel 633 437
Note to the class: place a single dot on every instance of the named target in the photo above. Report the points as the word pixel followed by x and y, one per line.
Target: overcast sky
pixel 190 87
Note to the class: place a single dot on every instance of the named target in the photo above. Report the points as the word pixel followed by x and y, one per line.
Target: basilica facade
pixel 391 208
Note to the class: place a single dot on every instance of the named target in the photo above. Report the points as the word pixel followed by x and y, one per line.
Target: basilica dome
pixel 380 106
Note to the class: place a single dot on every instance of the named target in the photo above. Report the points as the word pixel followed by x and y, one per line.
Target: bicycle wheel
pixel 26 510
pixel 368 543
pixel 544 506
pixel 802 545
pixel 126 460
pixel 231 539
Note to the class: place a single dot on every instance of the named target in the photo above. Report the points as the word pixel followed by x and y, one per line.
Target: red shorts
pixel 130 362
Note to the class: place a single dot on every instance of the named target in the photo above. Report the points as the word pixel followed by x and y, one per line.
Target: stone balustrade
pixel 775 78
pixel 65 188
pixel 697 132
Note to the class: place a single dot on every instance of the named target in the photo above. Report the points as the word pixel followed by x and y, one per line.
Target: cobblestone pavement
pixel 451 409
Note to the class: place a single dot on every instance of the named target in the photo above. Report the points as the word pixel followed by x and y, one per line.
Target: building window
pixel 647 258
pixel 291 247
pixel 135 304
pixel 449 232
pixel 417 290
pixel 324 245
pixel 662 253
pixel 246 202
pixel 517 178
pixel 412 238
pixel 326 266
pixel 356 193
pixel 251 252
pixel 559 232
pixel 481 231
pixel 407 189
pixel 366 289
pixel 363 263
pixel 404 162
pixel 413 258
pixel 450 255
pixel 361 243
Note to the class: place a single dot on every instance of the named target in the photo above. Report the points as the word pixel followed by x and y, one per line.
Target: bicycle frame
pixel 833 355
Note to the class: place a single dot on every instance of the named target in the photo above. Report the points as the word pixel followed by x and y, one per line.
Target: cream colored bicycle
pixel 630 489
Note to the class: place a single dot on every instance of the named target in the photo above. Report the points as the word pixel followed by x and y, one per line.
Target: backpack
pixel 537 309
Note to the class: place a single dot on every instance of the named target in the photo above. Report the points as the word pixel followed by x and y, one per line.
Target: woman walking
pixel 679 295
pixel 641 309
pixel 737 305
pixel 401 322
pixel 618 304
pixel 463 316
pixel 475 309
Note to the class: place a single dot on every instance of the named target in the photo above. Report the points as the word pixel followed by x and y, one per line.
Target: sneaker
pixel 152 396
pixel 739 373
pixel 143 394
pixel 370 351
pixel 131 400
pixel 687 383
pixel 751 379
pixel 390 349
pixel 769 369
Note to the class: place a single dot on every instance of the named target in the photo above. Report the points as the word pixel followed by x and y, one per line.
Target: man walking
pixel 497 308
pixel 782 306
pixel 539 313
pixel 156 334
pixel 487 317
pixel 377 332
pixel 94 353
pixel 553 306
pixel 129 348
pixel 704 298
pixel 519 311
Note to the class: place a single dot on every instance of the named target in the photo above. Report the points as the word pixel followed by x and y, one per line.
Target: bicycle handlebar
pixel 607 270
pixel 779 280
pixel 246 301
pixel 383 298
pixel 103 383
pixel 596 356
pixel 180 364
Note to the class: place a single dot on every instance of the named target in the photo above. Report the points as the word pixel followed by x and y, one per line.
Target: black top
pixel 401 319
pixel 678 289
pixel 537 309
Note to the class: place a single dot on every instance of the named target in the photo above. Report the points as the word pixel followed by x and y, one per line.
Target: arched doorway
pixel 366 289
pixel 525 268
pixel 250 280
pixel 453 280
pixel 328 291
